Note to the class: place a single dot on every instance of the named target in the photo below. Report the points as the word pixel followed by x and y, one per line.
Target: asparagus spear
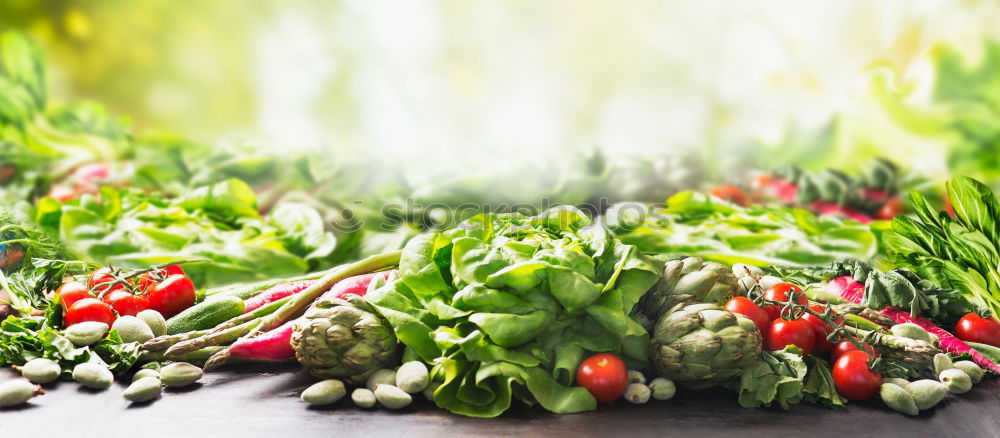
pixel 214 338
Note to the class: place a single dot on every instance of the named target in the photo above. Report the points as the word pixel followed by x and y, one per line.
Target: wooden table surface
pixel 251 401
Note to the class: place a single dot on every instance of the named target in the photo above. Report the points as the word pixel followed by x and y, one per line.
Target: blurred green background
pixel 449 84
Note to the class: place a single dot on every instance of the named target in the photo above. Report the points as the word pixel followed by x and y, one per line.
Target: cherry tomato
pixel 149 279
pixel 785 332
pixel 751 310
pixel 889 210
pixel 780 292
pixel 821 329
pixel 729 193
pixel 102 276
pixel 89 309
pixel 171 296
pixel 125 303
pixel 853 378
pixel 115 295
pixel 71 292
pixel 604 375
pixel 840 348
pixel 974 328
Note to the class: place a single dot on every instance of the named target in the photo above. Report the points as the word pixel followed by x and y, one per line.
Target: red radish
pixel 275 293
pixel 852 291
pixel 357 285
pixel 276 344
pixel 271 345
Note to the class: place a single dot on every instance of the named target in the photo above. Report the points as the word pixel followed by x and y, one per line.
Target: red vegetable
pixel 853 378
pixel 781 292
pixel 845 346
pixel 171 296
pixel 275 293
pixel 149 279
pixel 751 310
pixel 272 345
pixel 99 277
pixel 729 193
pixel 89 309
pixel 820 329
pixel 974 328
pixel 357 285
pixel 125 303
pixel 71 292
pixel 604 375
pixel 785 332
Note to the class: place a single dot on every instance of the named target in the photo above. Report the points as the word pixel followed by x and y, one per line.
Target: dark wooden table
pixel 254 402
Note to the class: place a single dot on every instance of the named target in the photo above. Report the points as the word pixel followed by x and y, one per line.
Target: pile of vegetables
pixel 788 293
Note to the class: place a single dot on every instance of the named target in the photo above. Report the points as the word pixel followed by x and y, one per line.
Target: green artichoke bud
pixel 340 338
pixel 702 345
pixel 689 280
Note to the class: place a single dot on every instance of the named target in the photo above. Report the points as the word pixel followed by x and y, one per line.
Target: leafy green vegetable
pixel 960 253
pixel 24 339
pixel 779 377
pixel 508 305
pixel 694 224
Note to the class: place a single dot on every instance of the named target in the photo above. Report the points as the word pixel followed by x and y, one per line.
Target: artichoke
pixel 687 281
pixel 702 345
pixel 344 338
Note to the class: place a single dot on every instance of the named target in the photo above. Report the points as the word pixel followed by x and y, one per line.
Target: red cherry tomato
pixel 125 303
pixel 781 292
pixel 973 328
pixel 115 295
pixel 785 332
pixel 71 292
pixel 889 210
pixel 604 375
pixel 840 348
pixel 821 329
pixel 99 282
pixel 149 279
pixel 171 296
pixel 729 193
pixel 853 378
pixel 751 310
pixel 89 309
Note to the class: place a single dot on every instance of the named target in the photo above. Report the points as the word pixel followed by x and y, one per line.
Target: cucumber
pixel 205 315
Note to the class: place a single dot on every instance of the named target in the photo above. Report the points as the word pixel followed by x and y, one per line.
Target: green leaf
pixel 975 206
pixel 510 330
